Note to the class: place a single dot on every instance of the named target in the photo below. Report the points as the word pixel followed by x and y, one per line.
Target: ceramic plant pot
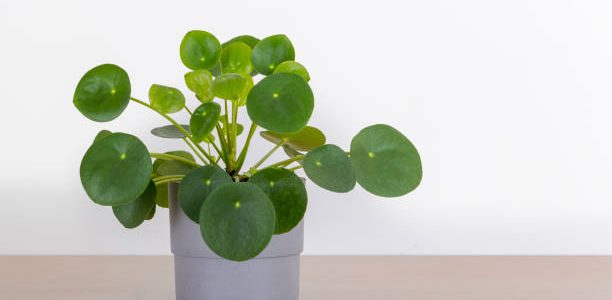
pixel 200 274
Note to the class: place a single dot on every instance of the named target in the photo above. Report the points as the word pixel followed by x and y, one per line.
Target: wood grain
pixel 323 277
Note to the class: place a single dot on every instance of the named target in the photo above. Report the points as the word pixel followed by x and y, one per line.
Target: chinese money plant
pixel 238 209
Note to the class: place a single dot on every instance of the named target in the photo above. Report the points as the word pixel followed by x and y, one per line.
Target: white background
pixel 509 103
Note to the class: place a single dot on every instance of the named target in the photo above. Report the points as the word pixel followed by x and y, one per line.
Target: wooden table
pixel 323 277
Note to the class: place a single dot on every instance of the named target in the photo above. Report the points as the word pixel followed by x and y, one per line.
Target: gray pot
pixel 202 275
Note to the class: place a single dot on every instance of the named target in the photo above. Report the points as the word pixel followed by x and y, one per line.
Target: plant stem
pixel 234 132
pixel 245 148
pixel 223 143
pixel 175 179
pixel 285 162
pixel 166 156
pixel 295 168
pixel 160 178
pixel 178 126
pixel 189 111
pixel 263 159
pixel 194 150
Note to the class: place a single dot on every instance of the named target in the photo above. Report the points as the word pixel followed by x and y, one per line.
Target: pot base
pixel 272 278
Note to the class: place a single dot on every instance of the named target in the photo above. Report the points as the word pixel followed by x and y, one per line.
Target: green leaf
pixel 200 50
pixel 132 214
pixel 151 213
pixel 272 51
pixel 161 196
pixel 103 93
pixel 197 185
pixel 237 221
pixel 166 99
pixel 281 103
pixel 169 132
pixel 330 168
pixel 293 67
pixel 250 40
pixel 116 170
pixel 200 82
pixel 236 58
pixel 385 161
pixel 101 134
pixel 288 194
pixel 172 167
pixel 232 86
pixel 304 140
pixel 203 120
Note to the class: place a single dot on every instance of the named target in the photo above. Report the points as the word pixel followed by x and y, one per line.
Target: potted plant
pixel 236 232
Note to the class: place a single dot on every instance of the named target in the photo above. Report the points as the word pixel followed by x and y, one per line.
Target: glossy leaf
pixel 293 67
pixel 200 50
pixel 101 134
pixel 272 51
pixel 385 161
pixel 288 194
pixel 166 99
pixel 250 40
pixel 330 168
pixel 304 140
pixel 201 83
pixel 203 120
pixel 197 185
pixel 232 86
pixel 172 167
pixel 237 221
pixel 116 170
pixel 151 214
pixel 132 214
pixel 161 196
pixel 103 93
pixel 169 132
pixel 236 58
pixel 281 103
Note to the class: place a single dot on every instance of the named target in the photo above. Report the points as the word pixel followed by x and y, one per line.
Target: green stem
pixel 245 148
pixel 177 125
pixel 194 150
pixel 234 131
pixel 166 156
pixel 285 162
pixel 263 159
pixel 295 168
pixel 176 179
pixel 160 178
pixel 222 142
pixel 189 111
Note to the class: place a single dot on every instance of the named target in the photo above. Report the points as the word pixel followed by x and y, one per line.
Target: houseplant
pixel 237 211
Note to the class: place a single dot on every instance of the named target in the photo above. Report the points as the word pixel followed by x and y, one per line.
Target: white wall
pixel 509 103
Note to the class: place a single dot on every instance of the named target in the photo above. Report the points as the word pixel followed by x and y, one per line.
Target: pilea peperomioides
pixel 238 209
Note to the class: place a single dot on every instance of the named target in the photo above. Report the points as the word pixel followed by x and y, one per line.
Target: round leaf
pixel 200 82
pixel 293 67
pixel 237 221
pixel 166 99
pixel 200 50
pixel 103 93
pixel 251 41
pixel 304 140
pixel 134 213
pixel 330 168
pixel 236 58
pixel 281 103
pixel 197 185
pixel 272 51
pixel 163 167
pixel 204 119
pixel 169 132
pixel 116 170
pixel 385 161
pixel 232 86
pixel 288 194
pixel 161 196
pixel 101 134
pixel 151 213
